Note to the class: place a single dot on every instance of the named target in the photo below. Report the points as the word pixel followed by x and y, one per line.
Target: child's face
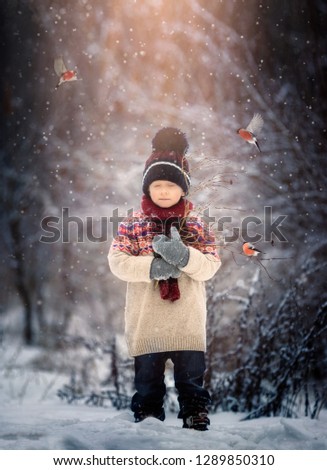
pixel 165 193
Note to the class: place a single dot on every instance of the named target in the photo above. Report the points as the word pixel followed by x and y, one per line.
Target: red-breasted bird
pixel 250 250
pixel 249 134
pixel 63 73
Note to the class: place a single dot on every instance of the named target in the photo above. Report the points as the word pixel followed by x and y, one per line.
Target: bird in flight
pixel 63 73
pixel 249 134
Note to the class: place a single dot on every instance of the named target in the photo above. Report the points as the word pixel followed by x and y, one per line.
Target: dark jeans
pixel 189 367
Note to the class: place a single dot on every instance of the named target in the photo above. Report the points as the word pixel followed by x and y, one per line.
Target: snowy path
pixel 33 417
pixel 55 425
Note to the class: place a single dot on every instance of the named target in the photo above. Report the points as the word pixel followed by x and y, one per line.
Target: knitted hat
pixel 167 161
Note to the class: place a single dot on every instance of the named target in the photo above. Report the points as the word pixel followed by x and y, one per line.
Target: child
pixel 165 254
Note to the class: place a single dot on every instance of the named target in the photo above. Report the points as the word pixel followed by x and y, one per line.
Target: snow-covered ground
pixel 53 425
pixel 33 417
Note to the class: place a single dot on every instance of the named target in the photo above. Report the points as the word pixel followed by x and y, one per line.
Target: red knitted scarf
pixel 164 218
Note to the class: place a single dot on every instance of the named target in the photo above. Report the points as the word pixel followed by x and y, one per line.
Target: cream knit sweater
pixel 156 325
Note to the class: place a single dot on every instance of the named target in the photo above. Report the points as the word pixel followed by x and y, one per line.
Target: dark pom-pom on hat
pixel 168 161
pixel 170 139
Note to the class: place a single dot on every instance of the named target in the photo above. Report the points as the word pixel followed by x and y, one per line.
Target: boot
pixel 198 420
pixel 141 414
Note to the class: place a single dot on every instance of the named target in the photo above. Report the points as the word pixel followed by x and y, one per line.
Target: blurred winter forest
pixel 74 157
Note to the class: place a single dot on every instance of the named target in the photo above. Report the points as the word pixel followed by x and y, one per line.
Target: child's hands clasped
pixel 171 249
pixel 161 270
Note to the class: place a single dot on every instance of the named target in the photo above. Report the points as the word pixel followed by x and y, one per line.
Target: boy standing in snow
pixel 165 254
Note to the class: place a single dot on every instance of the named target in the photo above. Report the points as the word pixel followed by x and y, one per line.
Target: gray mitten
pixel 171 249
pixel 161 270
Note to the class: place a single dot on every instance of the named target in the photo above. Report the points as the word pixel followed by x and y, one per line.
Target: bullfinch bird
pixel 63 73
pixel 253 129
pixel 250 250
